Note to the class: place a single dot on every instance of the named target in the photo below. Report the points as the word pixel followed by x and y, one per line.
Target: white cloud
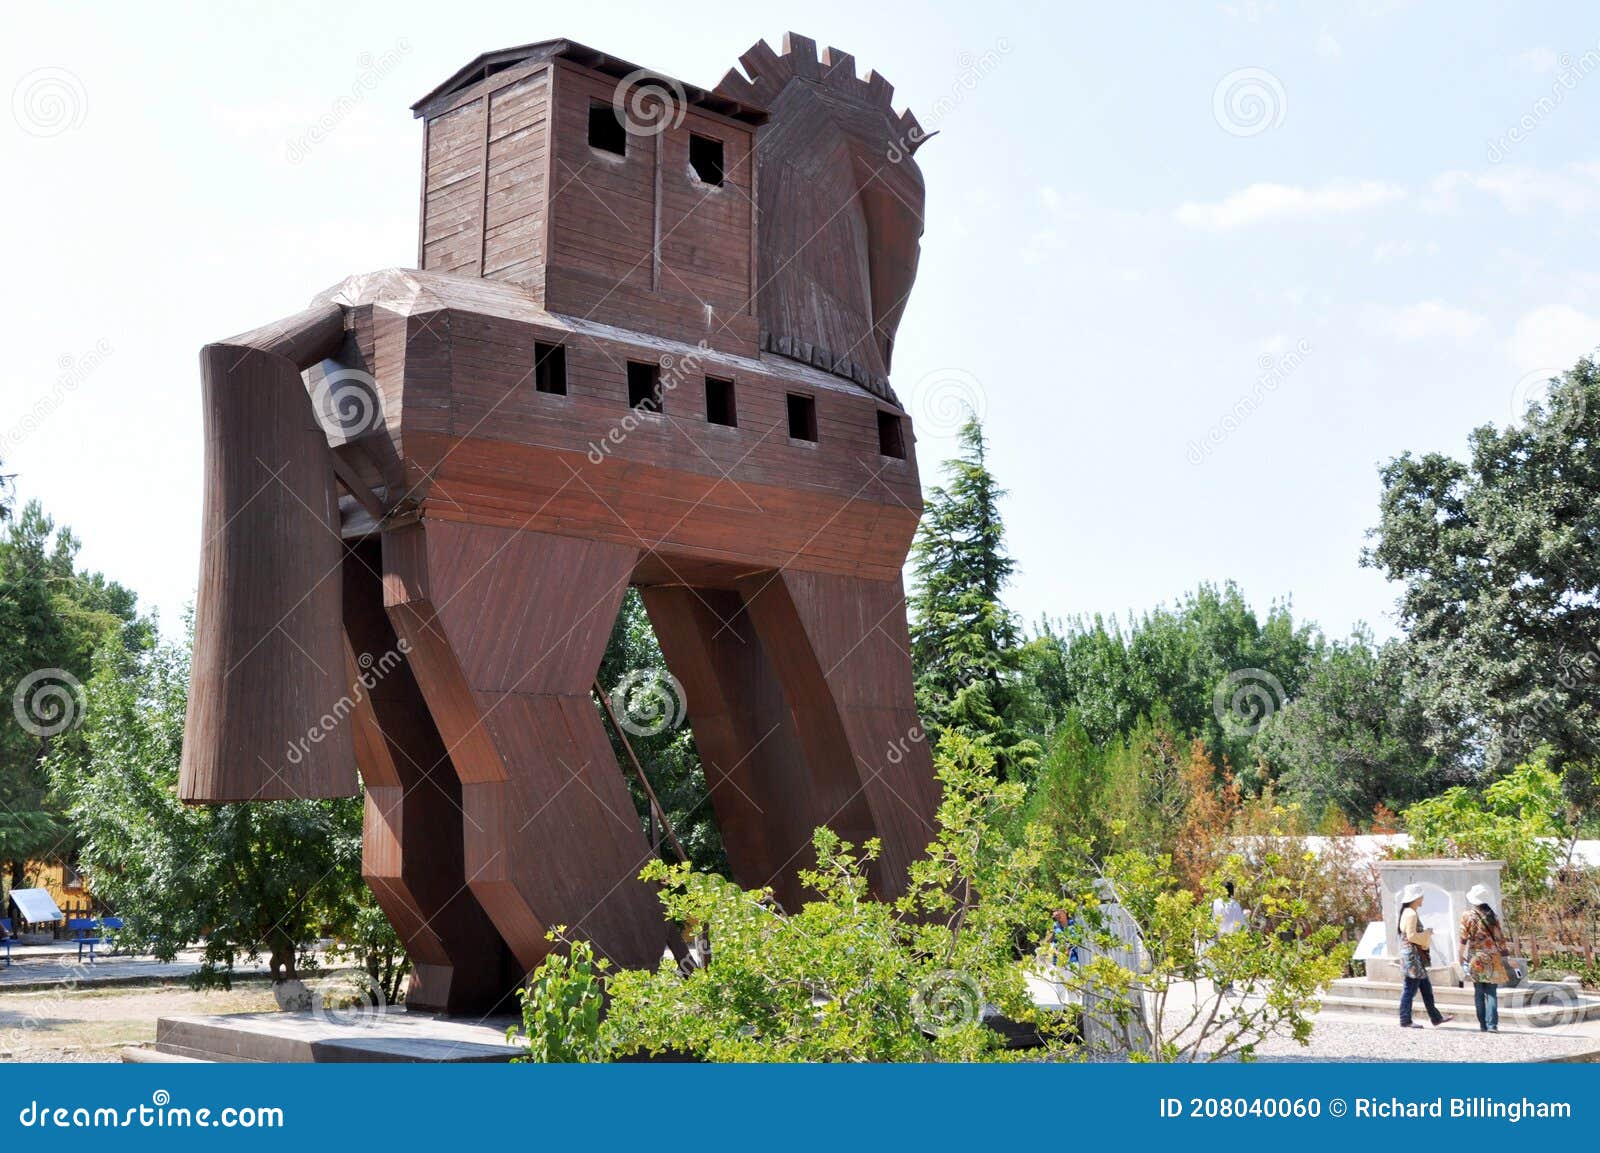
pixel 1431 320
pixel 1262 202
pixel 1328 47
pixel 1538 60
pixel 1571 190
pixel 1552 338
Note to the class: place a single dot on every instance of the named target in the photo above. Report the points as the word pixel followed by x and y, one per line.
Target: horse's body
pixel 415 551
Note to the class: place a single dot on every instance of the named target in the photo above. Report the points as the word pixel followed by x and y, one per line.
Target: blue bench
pixel 5 938
pixel 91 931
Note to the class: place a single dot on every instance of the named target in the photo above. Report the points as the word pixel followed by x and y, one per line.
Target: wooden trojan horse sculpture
pixel 648 345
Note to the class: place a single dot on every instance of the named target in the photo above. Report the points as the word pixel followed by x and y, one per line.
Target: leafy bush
pixel 561 1006
pixel 849 977
pixel 1517 819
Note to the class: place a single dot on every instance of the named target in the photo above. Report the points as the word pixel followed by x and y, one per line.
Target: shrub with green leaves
pixel 849 977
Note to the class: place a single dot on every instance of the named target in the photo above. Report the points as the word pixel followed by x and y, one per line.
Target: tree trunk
pixel 282 960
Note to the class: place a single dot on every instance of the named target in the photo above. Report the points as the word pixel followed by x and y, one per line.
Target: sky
pixel 1201 269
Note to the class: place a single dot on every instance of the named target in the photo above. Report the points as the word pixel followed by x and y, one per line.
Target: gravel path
pixel 1339 1037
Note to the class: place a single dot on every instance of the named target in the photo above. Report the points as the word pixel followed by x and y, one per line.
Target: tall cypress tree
pixel 965 644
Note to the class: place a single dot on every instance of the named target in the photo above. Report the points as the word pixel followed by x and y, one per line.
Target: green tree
pixel 1522 819
pixel 1277 963
pixel 251 879
pixel 1214 668
pixel 965 644
pixel 1499 559
pixel 1067 794
pixel 1356 736
pixel 53 618
pixel 633 662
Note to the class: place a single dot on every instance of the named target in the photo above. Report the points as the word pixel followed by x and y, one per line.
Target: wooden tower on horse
pixel 648 343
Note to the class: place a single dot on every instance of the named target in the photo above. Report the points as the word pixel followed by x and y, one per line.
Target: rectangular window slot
pixel 891 441
pixel 705 157
pixel 644 386
pixel 802 417
pixel 550 368
pixel 719 402
pixel 606 130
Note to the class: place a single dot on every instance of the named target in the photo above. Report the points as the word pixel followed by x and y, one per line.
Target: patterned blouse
pixel 1480 949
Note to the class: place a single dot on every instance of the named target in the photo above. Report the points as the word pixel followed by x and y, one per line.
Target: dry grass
pixel 95 1024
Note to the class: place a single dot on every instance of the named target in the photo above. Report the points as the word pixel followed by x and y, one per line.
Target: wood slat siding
pixel 269 653
pixel 412 846
pixel 602 205
pixel 452 231
pixel 514 236
pixel 506 632
pixel 480 442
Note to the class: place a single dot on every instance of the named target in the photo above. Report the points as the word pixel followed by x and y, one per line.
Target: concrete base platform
pixel 1540 1004
pixel 392 1036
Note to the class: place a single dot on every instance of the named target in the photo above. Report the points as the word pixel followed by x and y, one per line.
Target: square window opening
pixel 644 386
pixel 606 130
pixel 891 441
pixel 550 368
pixel 705 157
pixel 719 402
pixel 802 417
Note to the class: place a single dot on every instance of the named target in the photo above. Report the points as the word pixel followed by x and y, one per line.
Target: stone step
pixel 1529 993
pixel 389 1036
pixel 143 1055
pixel 1541 1014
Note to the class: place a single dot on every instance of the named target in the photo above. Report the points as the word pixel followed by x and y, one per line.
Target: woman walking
pixel 1483 957
pixel 1414 959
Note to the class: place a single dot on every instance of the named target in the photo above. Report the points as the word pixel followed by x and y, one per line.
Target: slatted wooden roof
pixel 489 63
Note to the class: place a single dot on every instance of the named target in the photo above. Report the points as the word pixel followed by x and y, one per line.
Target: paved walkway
pixel 1339 1036
pixel 57 966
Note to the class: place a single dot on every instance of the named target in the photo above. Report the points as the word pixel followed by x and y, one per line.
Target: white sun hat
pixel 1480 895
pixel 1410 893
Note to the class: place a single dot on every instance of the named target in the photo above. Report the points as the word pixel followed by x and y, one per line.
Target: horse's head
pixel 840 201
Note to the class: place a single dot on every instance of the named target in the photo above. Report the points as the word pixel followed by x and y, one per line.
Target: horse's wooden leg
pixel 765 799
pixel 506 630
pixel 840 648
pixel 412 840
